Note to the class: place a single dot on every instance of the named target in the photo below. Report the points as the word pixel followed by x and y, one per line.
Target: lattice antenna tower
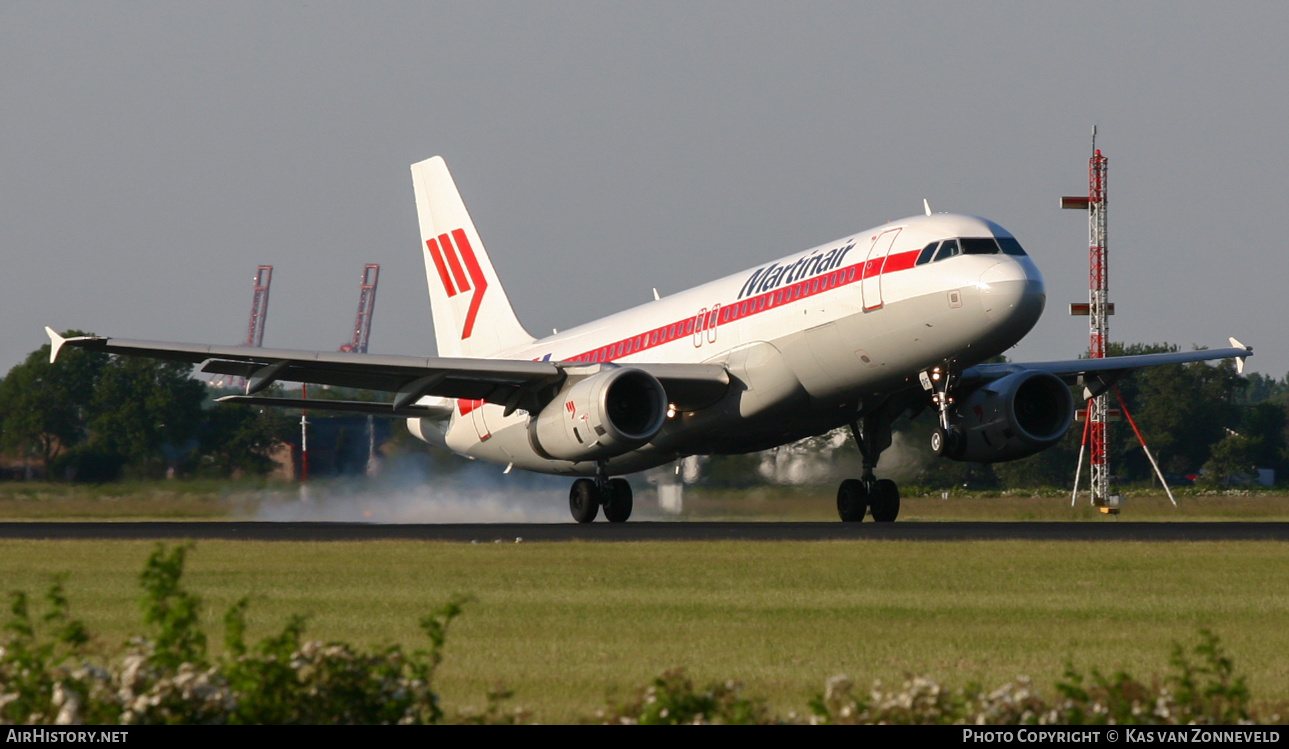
pixel 366 306
pixel 1098 309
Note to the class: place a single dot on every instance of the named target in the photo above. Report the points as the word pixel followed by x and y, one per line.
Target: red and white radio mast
pixel 1098 310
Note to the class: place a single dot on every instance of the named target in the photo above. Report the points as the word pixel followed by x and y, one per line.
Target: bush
pixel 48 674
pixel 672 700
pixel 1204 692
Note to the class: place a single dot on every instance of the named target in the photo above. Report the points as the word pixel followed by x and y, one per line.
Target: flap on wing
pixel 437 411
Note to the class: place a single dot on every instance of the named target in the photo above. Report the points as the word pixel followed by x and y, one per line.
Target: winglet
pixel 1239 364
pixel 926 205
pixel 56 342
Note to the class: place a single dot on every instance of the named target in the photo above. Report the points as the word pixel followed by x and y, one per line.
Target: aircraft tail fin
pixel 472 314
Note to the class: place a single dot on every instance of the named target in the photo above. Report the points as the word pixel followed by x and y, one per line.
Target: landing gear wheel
pixel 946 443
pixel 584 500
pixel 617 501
pixel 852 501
pixel 939 441
pixel 885 499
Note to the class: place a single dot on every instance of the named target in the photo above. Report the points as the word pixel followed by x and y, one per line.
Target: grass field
pixel 575 626
pixel 209 500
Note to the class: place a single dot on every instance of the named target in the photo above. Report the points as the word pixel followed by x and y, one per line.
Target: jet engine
pixel 601 416
pixel 1013 417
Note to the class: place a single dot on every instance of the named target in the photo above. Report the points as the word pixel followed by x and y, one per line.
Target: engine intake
pixel 1014 417
pixel 601 416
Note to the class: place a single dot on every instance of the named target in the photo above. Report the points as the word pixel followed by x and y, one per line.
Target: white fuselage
pixel 807 339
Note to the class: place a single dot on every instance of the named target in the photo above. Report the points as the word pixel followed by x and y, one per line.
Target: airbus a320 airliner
pixel 856 332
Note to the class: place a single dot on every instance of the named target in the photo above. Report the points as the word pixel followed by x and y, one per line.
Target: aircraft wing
pixel 512 383
pixel 1099 374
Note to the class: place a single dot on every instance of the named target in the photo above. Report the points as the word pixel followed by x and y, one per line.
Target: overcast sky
pixel 153 154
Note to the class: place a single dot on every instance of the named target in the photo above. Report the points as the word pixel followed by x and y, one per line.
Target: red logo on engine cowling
pixel 450 252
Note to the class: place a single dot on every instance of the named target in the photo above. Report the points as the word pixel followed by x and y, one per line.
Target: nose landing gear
pixel 947 440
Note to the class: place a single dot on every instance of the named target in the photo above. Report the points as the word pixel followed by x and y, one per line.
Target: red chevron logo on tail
pixel 450 252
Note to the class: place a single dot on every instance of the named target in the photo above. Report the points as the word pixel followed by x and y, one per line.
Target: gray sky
pixel 152 154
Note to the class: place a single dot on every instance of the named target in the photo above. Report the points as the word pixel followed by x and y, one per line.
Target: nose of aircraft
pixel 1012 292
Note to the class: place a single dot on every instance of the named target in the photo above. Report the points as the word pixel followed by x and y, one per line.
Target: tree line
pixel 94 417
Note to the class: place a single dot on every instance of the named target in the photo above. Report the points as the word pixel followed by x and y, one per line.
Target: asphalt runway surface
pixel 1110 530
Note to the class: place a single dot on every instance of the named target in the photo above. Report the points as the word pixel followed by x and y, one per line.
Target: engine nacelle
pixel 1014 417
pixel 601 416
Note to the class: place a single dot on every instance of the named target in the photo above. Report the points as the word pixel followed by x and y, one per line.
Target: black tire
pixel 939 441
pixel 852 501
pixel 885 499
pixel 584 500
pixel 947 443
pixel 617 502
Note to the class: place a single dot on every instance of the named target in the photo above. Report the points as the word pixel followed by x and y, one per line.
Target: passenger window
pixel 927 253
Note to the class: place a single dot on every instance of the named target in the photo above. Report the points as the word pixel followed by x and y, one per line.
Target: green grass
pixel 572 627
pixel 215 500
pixel 819 504
pixel 188 499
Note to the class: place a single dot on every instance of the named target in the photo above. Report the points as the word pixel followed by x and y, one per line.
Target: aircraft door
pixel 705 324
pixel 700 322
pixel 872 283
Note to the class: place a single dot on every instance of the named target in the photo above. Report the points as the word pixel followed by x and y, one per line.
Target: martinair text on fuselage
pixel 772 276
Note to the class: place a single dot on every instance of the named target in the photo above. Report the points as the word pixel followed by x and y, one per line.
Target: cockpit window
pixel 968 246
pixel 1010 246
pixel 927 253
pixel 979 246
pixel 948 248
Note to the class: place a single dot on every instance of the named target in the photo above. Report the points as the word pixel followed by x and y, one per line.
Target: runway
pixel 1110 530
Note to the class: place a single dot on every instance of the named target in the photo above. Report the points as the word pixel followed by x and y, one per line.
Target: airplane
pixel 853 333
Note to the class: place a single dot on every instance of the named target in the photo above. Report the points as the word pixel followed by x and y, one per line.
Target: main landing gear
pixel 588 495
pixel 858 497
